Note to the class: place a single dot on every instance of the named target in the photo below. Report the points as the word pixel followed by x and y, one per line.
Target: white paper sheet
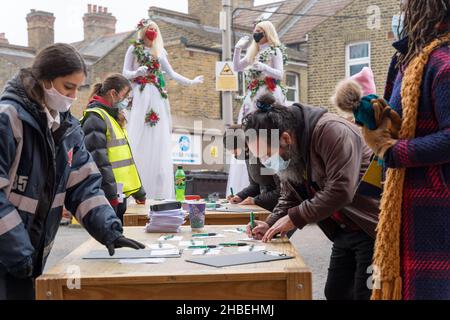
pixel 251 240
pixel 234 231
pixel 209 237
pixel 157 246
pixel 191 243
pixel 176 238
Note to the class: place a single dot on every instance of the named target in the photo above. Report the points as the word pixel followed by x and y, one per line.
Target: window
pixel 357 57
pixel 292 84
pixel 301 47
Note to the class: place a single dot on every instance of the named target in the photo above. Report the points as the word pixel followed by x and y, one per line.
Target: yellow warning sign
pixel 226 71
pixel 226 77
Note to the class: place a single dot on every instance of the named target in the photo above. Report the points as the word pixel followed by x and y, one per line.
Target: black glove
pixel 123 242
pixel 23 270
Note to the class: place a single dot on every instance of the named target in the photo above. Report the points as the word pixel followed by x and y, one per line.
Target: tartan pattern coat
pixel 425 231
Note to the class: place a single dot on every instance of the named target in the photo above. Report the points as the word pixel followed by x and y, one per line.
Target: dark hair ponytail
pixel 96 90
pixel 270 116
pixel 115 82
pixel 58 60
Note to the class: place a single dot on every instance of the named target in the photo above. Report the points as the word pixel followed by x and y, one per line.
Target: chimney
pixel 3 39
pixel 98 22
pixel 197 9
pixel 41 29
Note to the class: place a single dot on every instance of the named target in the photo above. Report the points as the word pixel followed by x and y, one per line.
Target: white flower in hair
pixel 144 23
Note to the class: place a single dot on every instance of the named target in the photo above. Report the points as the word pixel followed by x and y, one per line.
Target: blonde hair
pixel 272 38
pixel 158 45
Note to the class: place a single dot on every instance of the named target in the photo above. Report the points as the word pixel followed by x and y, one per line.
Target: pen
pixel 204 235
pixel 232 193
pixel 202 247
pixel 232 244
pixel 252 220
pixel 169 237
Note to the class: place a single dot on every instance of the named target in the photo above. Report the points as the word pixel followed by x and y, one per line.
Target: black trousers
pixel 348 273
pixel 12 288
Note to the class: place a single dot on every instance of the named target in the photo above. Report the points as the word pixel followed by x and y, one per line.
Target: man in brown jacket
pixel 320 159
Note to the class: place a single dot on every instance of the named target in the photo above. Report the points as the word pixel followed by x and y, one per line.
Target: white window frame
pixel 296 87
pixel 351 62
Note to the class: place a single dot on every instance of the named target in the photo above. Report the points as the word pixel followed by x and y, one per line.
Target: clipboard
pixel 125 255
pixel 238 259
pixel 371 185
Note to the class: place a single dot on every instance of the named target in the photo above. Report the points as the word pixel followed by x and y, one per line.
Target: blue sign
pixel 184 143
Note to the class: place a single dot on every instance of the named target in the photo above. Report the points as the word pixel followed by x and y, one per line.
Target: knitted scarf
pixel 387 274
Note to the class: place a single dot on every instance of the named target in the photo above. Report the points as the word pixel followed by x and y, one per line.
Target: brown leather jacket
pixel 339 158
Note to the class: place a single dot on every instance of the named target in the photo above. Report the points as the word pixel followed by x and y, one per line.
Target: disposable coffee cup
pixel 197 215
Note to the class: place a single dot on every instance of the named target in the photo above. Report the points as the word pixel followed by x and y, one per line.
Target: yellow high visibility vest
pixel 119 153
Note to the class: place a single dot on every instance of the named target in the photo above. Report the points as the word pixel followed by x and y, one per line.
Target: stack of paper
pixel 166 221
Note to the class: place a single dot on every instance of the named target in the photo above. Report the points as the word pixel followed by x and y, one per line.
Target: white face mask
pixel 56 101
pixel 276 163
pixel 122 105
pixel 398 22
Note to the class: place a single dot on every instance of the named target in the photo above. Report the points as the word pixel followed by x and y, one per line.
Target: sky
pixel 69 14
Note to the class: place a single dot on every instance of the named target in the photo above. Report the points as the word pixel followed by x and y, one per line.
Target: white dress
pixel 238 176
pixel 152 146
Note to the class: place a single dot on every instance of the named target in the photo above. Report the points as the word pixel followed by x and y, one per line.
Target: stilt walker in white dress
pixel 149 120
pixel 263 66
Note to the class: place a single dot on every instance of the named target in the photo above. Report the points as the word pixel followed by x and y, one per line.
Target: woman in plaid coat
pixel 424 231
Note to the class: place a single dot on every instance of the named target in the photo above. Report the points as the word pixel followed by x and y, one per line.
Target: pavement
pixel 310 242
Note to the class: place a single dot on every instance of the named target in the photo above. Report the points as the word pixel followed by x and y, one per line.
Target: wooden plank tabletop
pixel 134 208
pixel 176 278
pixel 136 215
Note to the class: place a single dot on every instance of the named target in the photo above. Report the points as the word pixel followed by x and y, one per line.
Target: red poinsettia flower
pixel 154 117
pixel 141 80
pixel 271 83
pixel 253 84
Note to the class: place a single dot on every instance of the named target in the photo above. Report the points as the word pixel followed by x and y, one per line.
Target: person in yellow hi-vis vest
pixel 106 139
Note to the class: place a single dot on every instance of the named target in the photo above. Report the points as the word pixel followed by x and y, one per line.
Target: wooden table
pixel 136 216
pixel 177 279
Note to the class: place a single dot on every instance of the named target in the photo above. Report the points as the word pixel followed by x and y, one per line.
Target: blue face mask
pixel 122 104
pixel 276 163
pixel 398 22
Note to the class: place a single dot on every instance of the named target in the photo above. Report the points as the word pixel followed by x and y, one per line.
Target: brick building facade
pixel 339 47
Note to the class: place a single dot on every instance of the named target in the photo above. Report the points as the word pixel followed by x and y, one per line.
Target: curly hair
pixel 424 22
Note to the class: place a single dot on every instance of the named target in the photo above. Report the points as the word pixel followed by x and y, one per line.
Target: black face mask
pixel 258 36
